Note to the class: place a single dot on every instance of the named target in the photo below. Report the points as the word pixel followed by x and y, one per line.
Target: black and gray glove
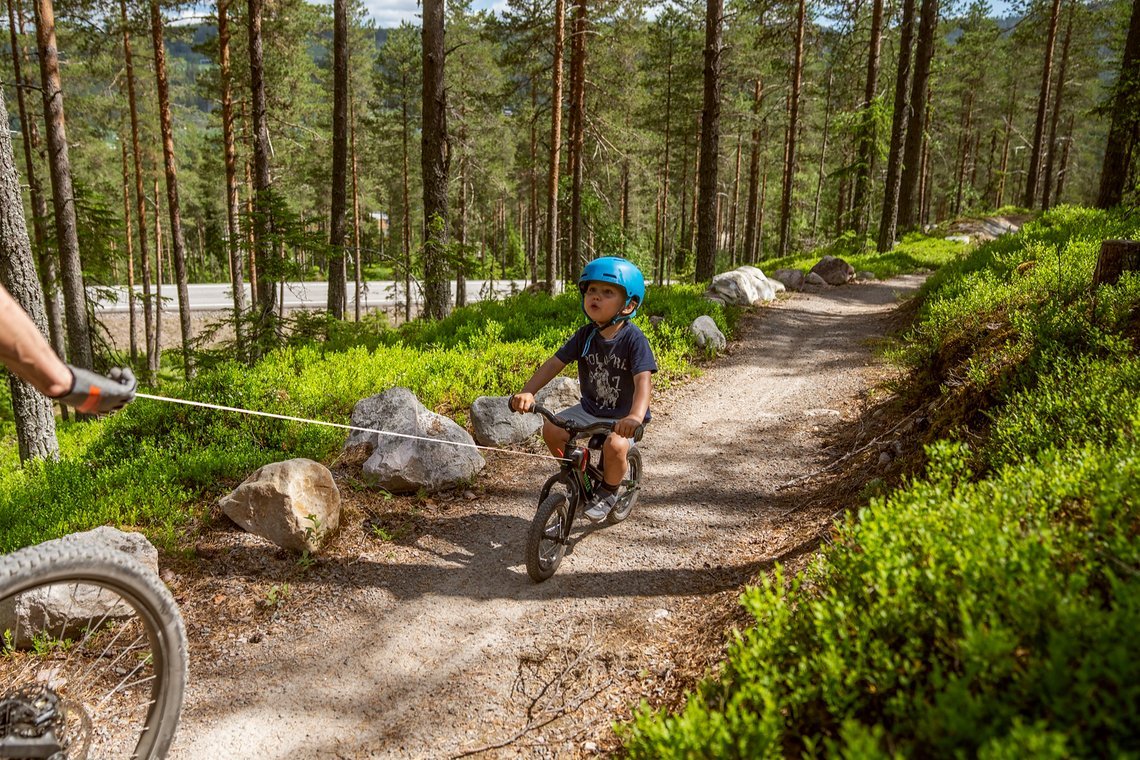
pixel 92 393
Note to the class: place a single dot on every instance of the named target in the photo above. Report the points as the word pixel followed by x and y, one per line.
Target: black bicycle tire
pixel 556 500
pixel 72 562
pixel 623 507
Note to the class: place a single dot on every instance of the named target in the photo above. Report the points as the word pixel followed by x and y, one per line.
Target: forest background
pixel 817 131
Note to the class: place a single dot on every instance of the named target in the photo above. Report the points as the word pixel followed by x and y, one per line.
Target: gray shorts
pixel 580 416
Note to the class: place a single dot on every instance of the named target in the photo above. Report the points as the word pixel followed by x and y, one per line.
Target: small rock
pixel 470 495
pixel 884 458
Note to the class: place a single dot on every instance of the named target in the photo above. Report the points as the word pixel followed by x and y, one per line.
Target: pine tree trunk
pixel 130 237
pixel 754 175
pixel 1065 158
pixel 461 217
pixel 434 163
pixel 793 128
pixel 355 216
pixel 663 256
pixel 763 208
pixel 691 245
pixel 177 240
pixel 63 194
pixel 1051 145
pixel 889 220
pixel 232 227
pixel 555 147
pixel 577 137
pixel 266 323
pixel 964 148
pixel 822 155
pixel 407 226
pixel 867 136
pixel 156 355
pixel 532 236
pixel 338 205
pixel 35 424
pixel 732 236
pixel 49 271
pixel 1030 198
pixel 1114 169
pixel 909 210
pixel 710 144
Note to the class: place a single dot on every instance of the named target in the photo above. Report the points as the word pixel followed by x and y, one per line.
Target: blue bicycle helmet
pixel 616 271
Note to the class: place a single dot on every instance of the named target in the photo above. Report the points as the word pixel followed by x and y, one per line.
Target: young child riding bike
pixel 615 366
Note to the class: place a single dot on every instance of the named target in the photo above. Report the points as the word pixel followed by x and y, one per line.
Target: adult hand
pixel 92 393
pixel 521 402
pixel 627 426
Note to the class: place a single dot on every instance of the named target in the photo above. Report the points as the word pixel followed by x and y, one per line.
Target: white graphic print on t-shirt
pixel 604 373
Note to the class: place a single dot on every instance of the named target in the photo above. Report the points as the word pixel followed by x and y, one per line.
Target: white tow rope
pixel 338 425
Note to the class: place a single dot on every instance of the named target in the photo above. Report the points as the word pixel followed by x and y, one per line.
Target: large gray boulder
pixel 496 425
pixel 294 504
pixel 744 286
pixel 707 334
pixel 401 464
pixel 65 610
pixel 834 271
pixel 560 393
pixel 793 279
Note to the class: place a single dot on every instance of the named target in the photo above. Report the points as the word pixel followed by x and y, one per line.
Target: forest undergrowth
pixel 982 598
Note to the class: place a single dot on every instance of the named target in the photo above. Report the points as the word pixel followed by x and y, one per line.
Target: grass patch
pixel 153 464
pixel 915 252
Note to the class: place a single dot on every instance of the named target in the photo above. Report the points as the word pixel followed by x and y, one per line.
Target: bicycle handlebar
pixel 594 427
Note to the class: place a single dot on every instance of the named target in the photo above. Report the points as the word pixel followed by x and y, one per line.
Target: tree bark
pixel 35 424
pixel 130 238
pixel 336 294
pixel 822 154
pixel 577 137
pixel 266 318
pixel 63 194
pixel 49 271
pixel 407 226
pixel 156 355
pixel 177 241
pixel 964 147
pixel 1051 145
pixel 1114 169
pixel 866 152
pixel 555 146
pixel 663 257
pixel 357 274
pixel 435 162
pixel 710 144
pixel 754 175
pixel 1064 170
pixel 232 227
pixel 732 237
pixel 1116 257
pixel 889 219
pixel 909 209
pixel 793 127
pixel 1031 178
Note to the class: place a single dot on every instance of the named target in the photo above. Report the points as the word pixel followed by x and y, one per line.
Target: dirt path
pixel 420 634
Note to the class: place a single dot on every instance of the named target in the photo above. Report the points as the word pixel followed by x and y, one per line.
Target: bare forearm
pixel 543 375
pixel 27 354
pixel 642 390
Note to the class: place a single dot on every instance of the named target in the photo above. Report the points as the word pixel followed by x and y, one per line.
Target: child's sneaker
pixel 600 505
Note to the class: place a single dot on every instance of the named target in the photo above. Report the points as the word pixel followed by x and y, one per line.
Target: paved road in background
pixel 376 294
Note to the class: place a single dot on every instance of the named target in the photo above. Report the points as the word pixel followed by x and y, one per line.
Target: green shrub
pixel 150 463
pixel 988 612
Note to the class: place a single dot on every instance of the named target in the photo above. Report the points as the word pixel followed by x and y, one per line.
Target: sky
pixel 389 13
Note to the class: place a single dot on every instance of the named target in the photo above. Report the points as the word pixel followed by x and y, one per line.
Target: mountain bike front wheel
pixel 93 655
pixel 544 545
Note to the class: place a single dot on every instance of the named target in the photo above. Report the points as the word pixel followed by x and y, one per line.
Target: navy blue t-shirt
pixel 606 370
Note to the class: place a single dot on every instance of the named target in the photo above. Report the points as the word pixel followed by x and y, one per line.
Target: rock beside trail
pixel 793 279
pixel 743 286
pixel 834 270
pixel 496 425
pixel 707 334
pixel 67 609
pixel 429 452
pixel 294 504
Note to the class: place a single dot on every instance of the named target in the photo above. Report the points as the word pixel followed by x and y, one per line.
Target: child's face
pixel 603 301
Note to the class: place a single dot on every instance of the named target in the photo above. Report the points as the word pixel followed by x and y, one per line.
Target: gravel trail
pixel 419 634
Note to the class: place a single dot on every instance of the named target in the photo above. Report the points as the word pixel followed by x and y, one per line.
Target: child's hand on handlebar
pixel 626 427
pixel 521 403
